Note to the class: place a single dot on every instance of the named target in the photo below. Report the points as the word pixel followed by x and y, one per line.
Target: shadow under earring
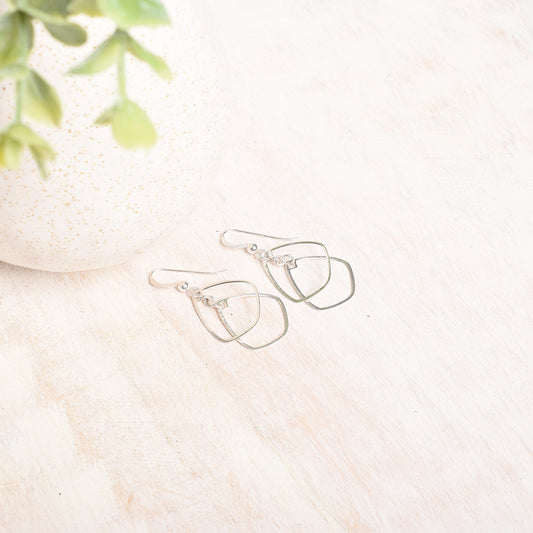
pixel 301 270
pixel 231 310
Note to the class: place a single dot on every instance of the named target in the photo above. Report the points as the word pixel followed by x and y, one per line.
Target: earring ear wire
pixel 226 242
pixel 153 281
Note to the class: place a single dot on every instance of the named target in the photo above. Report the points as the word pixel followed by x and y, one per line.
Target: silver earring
pixel 290 258
pixel 229 310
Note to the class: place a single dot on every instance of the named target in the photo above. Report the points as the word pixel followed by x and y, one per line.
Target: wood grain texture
pixel 400 135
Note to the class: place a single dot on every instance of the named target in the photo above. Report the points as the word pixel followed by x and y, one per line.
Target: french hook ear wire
pixel 153 281
pixel 224 240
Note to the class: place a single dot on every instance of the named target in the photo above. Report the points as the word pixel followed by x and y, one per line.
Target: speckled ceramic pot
pixel 101 203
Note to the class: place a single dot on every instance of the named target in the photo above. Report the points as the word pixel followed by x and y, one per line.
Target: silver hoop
pixel 289 260
pixel 221 304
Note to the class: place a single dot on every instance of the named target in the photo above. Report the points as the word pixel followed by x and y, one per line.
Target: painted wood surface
pixel 398 133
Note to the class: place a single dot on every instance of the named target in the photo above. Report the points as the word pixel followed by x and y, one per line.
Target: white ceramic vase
pixel 101 203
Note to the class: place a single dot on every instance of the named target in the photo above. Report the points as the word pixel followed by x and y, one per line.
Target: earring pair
pixel 233 310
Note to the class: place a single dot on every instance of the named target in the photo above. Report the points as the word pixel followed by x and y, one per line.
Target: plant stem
pixel 18 104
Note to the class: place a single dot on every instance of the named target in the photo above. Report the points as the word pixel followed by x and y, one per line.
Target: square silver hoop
pixel 250 291
pixel 239 339
pixel 287 269
pixel 350 274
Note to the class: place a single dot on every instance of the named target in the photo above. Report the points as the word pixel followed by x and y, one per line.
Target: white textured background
pixel 400 134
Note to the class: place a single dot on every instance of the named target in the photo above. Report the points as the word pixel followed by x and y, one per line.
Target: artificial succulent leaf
pixel 40 157
pixel 88 7
pixel 106 117
pixel 41 165
pixel 16 38
pixel 128 13
pixel 157 63
pixel 102 58
pixel 14 72
pixel 131 126
pixel 10 151
pixel 40 100
pixel 53 11
pixel 2 141
pixel 69 33
pixel 25 135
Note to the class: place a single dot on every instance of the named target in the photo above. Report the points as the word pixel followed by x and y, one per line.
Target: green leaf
pixel 10 151
pixel 14 72
pixel 12 143
pixel 157 63
pixel 128 13
pixel 88 7
pixel 40 100
pixel 68 33
pixel 131 126
pixel 52 11
pixel 2 141
pixel 25 135
pixel 106 117
pixel 16 38
pixel 40 158
pixel 102 58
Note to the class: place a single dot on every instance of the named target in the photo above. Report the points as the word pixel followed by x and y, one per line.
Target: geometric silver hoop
pixel 216 307
pixel 289 258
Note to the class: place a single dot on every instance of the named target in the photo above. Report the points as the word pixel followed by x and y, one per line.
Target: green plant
pixel 36 99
